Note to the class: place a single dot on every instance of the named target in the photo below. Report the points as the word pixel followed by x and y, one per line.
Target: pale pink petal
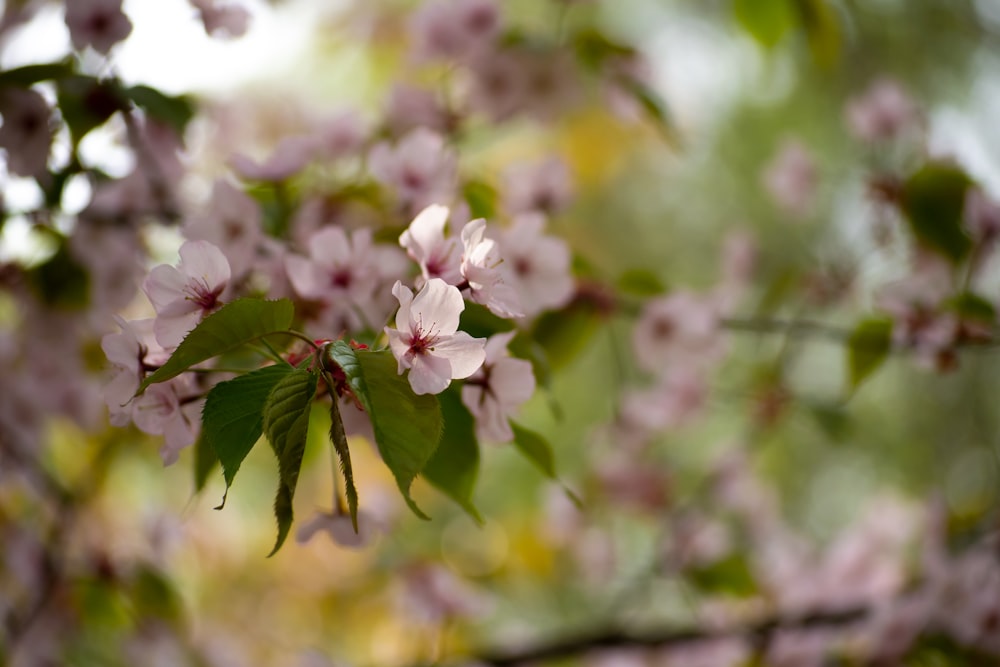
pixel 430 374
pixel 405 297
pixel 399 343
pixel 203 261
pixel 426 232
pixel 330 248
pixel 512 380
pixel 303 276
pixel 170 331
pixel 437 308
pixel 163 285
pixel 465 353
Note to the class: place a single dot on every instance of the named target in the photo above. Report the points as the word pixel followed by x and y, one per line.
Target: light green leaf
pixel 454 467
pixel 933 200
pixel 407 426
pixel 641 282
pixel 31 74
pixel 481 198
pixel 823 30
pixel 286 424
pixel 767 21
pixel 563 334
pixel 536 449
pixel 235 324
pixel 176 111
pixel 232 419
pixel 867 347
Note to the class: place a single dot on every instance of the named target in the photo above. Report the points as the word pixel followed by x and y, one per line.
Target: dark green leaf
pixel 407 426
pixel 972 307
pixel 454 467
pixel 286 424
pixel 822 29
pixel 235 324
pixel 767 21
pixel 339 440
pixel 594 48
pixel 731 576
pixel 867 347
pixel 233 417
pixel 655 108
pixel 481 198
pixel 204 461
pixel 24 77
pixel 154 596
pixel 933 200
pixel 177 111
pixel 86 103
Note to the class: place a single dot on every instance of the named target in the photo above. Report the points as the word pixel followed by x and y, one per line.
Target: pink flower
pixel 184 295
pixel 426 339
pixel 421 168
pixel 480 262
pixel 537 267
pixel 232 221
pixel 290 156
pixel 97 23
pixel 164 410
pixel 227 21
pixel 127 352
pixel 455 29
pixel 410 107
pixel 495 392
pixel 340 529
pixel 791 179
pixel 881 113
pixel 26 134
pixel 679 329
pixel 425 242
pixel 544 187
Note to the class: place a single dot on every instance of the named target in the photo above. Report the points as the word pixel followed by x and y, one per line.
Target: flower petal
pixel 203 261
pixel 430 374
pixel 465 353
pixel 437 308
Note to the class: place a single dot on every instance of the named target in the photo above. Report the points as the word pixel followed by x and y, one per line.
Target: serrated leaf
pixel 339 440
pixel 203 463
pixel 286 424
pixel 232 419
pixel 867 347
pixel 933 199
pixel 177 111
pixel 86 103
pixel 767 21
pixel 407 426
pixel 235 324
pixel 454 468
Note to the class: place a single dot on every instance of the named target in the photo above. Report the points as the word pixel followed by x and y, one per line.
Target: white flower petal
pixel 437 308
pixel 430 374
pixel 465 353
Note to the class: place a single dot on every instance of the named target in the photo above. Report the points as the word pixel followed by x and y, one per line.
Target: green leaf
pixel 655 108
pixel 176 111
pixel 867 347
pixel 822 29
pixel 933 200
pixel 594 48
pixel 477 321
pixel 286 424
pixel 767 21
pixel 454 467
pixel 972 307
pixel 407 426
pixel 536 449
pixel 235 324
pixel 481 198
pixel 86 103
pixel 154 596
pixel 339 440
pixel 563 334
pixel 641 282
pixel 204 461
pixel 233 417
pixel 731 576
pixel 31 74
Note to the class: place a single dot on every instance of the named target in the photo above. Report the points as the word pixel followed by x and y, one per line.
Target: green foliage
pixel 972 307
pixel 28 75
pixel 867 348
pixel 933 199
pixel 479 322
pixel 730 576
pixel 594 48
pixel 822 29
pixel 204 461
pixel 407 427
pixel 286 424
pixel 536 449
pixel 233 417
pixel 154 596
pixel 767 21
pixel 481 198
pixel 339 440
pixel 235 324
pixel 640 283
pixel 86 103
pixel 177 111
pixel 563 334
pixel 454 468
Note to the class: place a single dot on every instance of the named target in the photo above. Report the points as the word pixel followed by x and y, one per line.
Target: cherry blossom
pixel 421 168
pixel 791 178
pixel 127 352
pixel 97 23
pixel 26 134
pixel 232 222
pixel 439 256
pixel 480 262
pixel 289 157
pixel 679 329
pixel 426 339
pixel 495 392
pixel 881 113
pixel 543 187
pixel 182 296
pixel 227 21
pixel 163 409
pixel 454 29
pixel 536 266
